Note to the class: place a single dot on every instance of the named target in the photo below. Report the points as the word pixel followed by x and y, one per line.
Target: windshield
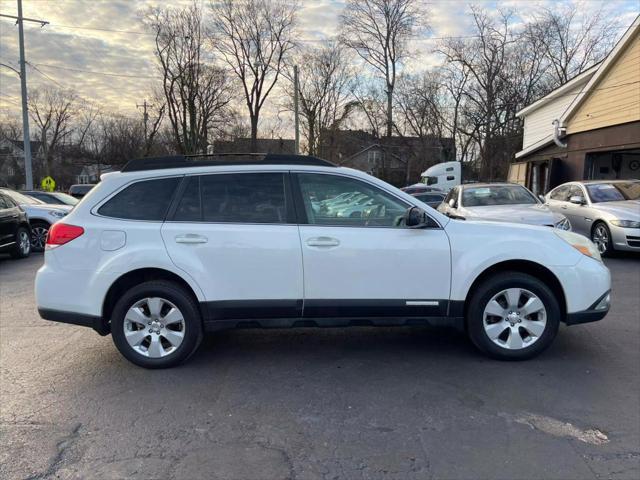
pixel 66 199
pixel 497 195
pixel 431 180
pixel 21 199
pixel 613 192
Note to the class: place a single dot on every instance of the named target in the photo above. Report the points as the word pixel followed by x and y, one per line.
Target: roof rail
pixel 222 159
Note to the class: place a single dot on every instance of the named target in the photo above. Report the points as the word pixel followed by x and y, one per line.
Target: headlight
pixel 626 223
pixel 57 213
pixel 564 224
pixel 580 243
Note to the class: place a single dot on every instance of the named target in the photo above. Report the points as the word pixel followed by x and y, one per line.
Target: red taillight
pixel 61 233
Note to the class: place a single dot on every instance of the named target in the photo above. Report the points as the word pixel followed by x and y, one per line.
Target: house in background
pixel 597 124
pixel 397 160
pixel 12 162
pixel 91 173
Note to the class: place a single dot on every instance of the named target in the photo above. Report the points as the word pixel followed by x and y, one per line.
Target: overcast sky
pixel 73 52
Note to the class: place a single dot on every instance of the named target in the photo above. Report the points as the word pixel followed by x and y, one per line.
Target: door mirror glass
pixel 577 199
pixel 452 202
pixel 416 218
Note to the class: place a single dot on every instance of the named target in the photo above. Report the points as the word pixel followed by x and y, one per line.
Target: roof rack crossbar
pixel 214 160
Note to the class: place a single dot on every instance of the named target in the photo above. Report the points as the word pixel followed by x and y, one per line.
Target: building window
pixel 374 156
pixel 11 172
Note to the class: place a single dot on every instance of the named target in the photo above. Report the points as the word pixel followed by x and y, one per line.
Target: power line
pixel 108 74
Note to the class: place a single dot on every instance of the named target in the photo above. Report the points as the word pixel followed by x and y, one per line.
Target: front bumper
pixel 625 239
pixel 595 312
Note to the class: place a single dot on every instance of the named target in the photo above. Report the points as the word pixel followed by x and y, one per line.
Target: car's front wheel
pixel 156 324
pixel 513 316
pixel 39 231
pixel 601 237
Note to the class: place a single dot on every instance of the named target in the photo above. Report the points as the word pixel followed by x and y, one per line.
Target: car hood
pixel 624 210
pixel 530 214
pixel 45 208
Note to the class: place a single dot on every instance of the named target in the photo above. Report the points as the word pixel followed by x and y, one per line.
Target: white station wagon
pixel 172 247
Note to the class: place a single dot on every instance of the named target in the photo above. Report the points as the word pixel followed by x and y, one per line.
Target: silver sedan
pixel 500 202
pixel 606 211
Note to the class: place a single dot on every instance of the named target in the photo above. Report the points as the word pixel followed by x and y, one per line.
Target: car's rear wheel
pixel 39 231
pixel 23 244
pixel 513 316
pixel 601 237
pixel 156 324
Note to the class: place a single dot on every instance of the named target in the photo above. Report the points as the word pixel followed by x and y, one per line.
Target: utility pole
pixel 145 118
pixel 295 107
pixel 28 173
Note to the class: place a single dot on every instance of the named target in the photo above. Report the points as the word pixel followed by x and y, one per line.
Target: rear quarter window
pixel 144 200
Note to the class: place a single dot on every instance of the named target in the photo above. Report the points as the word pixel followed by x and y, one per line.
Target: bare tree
pixel 53 111
pixel 196 92
pixel 378 30
pixel 572 38
pixel 325 79
pixel 254 38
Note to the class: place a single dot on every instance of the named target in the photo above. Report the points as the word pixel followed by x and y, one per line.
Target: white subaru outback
pixel 171 247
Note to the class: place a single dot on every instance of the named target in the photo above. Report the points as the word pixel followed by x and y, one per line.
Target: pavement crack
pixel 63 447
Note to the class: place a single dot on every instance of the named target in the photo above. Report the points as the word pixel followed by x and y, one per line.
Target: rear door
pixel 235 234
pixel 359 258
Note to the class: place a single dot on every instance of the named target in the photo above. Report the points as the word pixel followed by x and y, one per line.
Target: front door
pixel 8 221
pixel 235 234
pixel 360 260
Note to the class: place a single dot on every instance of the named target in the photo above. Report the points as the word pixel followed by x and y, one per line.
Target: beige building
pixel 589 128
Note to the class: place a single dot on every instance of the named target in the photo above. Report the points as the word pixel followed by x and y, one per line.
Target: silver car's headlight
pixel 580 243
pixel 57 213
pixel 564 224
pixel 626 223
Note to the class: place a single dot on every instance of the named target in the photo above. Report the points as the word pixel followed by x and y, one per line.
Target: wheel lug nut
pixel 151 330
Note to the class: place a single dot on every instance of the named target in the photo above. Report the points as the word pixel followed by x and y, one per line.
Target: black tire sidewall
pixel 490 288
pixel 17 252
pixel 181 299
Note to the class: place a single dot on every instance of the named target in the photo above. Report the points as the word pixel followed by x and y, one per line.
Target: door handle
pixel 564 207
pixel 191 238
pixel 323 242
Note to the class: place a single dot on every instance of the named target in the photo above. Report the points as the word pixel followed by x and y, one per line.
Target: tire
pixel 601 237
pixel 39 232
pixel 171 342
pixel 23 244
pixel 518 335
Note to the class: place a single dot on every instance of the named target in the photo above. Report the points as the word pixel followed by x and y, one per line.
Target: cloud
pixel 123 53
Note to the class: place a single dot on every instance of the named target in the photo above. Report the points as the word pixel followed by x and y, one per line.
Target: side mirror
pixel 577 199
pixel 542 199
pixel 414 217
pixel 452 203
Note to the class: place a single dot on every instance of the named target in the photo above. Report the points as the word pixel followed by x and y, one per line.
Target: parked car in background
pixel 52 198
pixel 502 202
pixel 168 248
pixel 79 190
pixel 606 211
pixel 433 199
pixel 41 216
pixel 15 233
pixel 420 188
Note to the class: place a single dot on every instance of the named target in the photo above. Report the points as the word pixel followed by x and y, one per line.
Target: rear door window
pixel 234 198
pixel 144 200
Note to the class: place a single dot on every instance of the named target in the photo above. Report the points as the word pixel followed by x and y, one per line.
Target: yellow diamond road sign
pixel 48 184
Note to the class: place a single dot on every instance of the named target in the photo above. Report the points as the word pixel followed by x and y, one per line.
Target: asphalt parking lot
pixel 359 403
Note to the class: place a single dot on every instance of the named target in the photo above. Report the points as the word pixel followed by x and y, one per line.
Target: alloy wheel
pixel 601 238
pixel 154 327
pixel 24 242
pixel 39 237
pixel 514 318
